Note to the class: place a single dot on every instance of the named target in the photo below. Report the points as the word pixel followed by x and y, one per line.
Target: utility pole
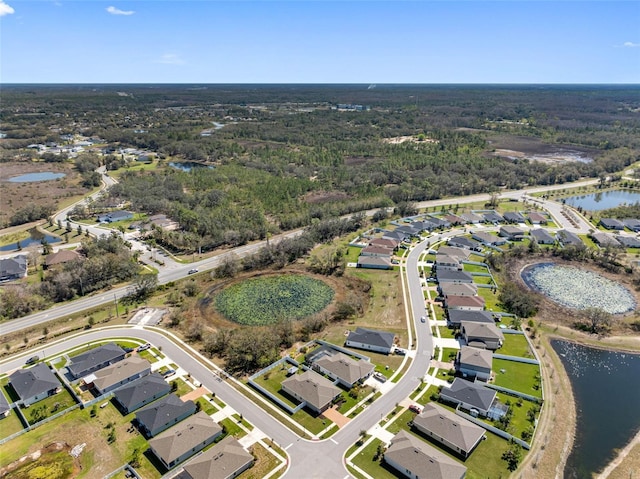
pixel 115 299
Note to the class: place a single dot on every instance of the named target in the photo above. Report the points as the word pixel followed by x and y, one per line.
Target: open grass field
pixel 516 345
pixel 99 457
pixel 517 376
pixel 10 425
pixel 490 299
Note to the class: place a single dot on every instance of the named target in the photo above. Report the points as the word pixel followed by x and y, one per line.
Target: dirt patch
pixel 519 147
pixel 408 139
pixel 14 196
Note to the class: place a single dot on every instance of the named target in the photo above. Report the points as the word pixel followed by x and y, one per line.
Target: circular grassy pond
pixel 266 300
pixel 578 289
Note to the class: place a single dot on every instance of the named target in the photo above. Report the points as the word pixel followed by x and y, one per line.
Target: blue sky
pixel 296 41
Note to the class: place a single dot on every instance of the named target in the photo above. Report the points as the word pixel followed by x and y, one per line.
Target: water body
pixel 187 166
pixel 606 387
pixel 35 238
pixel 33 177
pixel 603 200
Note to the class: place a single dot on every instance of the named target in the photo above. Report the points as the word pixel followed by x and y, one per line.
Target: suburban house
pixel 488 238
pixel 116 375
pixel 385 243
pixel 163 414
pixel 542 236
pixel 94 359
pixel 447 428
pixel 456 317
pixel 472 218
pixel 567 238
pixel 632 223
pixel 492 217
pixel 61 257
pixel 512 233
pixel 5 409
pixel 374 262
pixel 409 231
pixel 183 440
pixel 415 459
pixel 460 253
pixel 445 262
pixel 605 239
pixel 448 276
pixel 439 222
pixel 141 392
pixel 471 396
pixel 447 290
pixel 611 224
pixel 376 251
pixel 114 216
pixel 13 268
pixel 371 340
pixel 536 218
pixel 464 242
pixel 344 368
pixel 34 384
pixel 395 235
pixel 468 303
pixel 514 217
pixel 225 460
pixel 162 222
pixel 481 334
pixel 628 241
pixel 474 363
pixel 454 219
pixel 312 389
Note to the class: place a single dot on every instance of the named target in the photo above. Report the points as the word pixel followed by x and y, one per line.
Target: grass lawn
pixel 474 268
pixel 352 254
pixel 10 425
pixel 59 363
pixel 490 299
pixel 272 382
pixel 349 402
pixel 519 420
pixel 48 407
pixel 239 419
pixel 183 388
pixel 311 423
pixel 517 376
pixel 77 427
pixel 264 463
pixel 515 345
pixel 148 356
pixel 476 257
pixel 446 332
pixel 439 310
pixel 206 406
pixel 218 402
pixel 589 242
pixel 449 354
pixel 364 460
pixel 232 429
pixel 402 422
pixel 482 280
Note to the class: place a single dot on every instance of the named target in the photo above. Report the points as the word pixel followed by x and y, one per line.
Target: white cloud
pixel 630 44
pixel 170 59
pixel 5 9
pixel 117 11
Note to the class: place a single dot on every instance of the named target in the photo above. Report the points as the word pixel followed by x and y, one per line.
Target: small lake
pixel 187 166
pixel 603 200
pixel 35 238
pixel 33 177
pixel 607 393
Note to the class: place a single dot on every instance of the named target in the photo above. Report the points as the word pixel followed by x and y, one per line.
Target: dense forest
pixel 287 156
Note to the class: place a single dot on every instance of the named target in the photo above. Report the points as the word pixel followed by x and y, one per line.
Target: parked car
pixel 32 360
pixel 415 408
pixel 168 373
pixel 193 271
pixel 144 347
pixel 380 377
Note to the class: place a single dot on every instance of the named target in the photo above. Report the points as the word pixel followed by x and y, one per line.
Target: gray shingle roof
pixel 4 404
pixel 481 330
pixel 381 339
pixel 312 388
pixel 448 275
pixel 164 411
pixel 33 381
pixel 422 459
pixel 458 316
pixel 88 361
pixel 452 428
pixel 220 462
pixel 107 377
pixel 181 438
pixel 470 393
pixel 345 367
pixel 140 389
pixel 542 236
pixel 481 358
